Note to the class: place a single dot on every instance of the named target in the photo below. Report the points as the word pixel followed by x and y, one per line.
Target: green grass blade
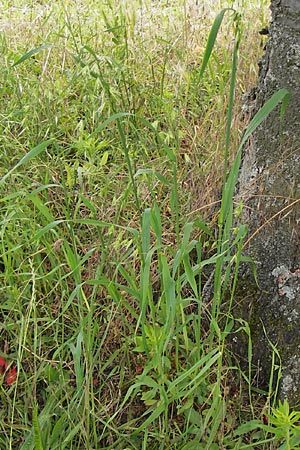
pixel 260 116
pixel 234 66
pixel 146 231
pixel 159 409
pixel 77 354
pixel 168 285
pixel 112 118
pixel 205 363
pixel 31 154
pixel 211 40
pixel 29 54
pixel 38 444
pixel 282 95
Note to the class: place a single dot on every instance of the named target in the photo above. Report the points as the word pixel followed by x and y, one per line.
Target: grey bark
pixel 270 187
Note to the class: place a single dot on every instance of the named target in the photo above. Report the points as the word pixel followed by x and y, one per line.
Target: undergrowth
pixel 121 143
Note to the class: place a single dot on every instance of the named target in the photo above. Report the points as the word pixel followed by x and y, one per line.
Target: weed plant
pixel 121 143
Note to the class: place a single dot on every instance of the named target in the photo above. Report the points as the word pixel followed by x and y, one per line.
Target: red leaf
pixel 95 381
pixel 139 369
pixel 11 375
pixel 3 365
pixel 265 419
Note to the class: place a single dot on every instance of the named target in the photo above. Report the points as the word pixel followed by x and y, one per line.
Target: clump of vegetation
pixel 117 238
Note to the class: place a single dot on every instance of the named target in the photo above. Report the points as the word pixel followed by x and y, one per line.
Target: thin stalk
pixel 231 96
pixel 225 213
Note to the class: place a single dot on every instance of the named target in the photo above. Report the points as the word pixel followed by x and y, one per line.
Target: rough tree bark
pixel 270 187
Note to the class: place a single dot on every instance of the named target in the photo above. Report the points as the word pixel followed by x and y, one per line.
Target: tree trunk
pixel 270 188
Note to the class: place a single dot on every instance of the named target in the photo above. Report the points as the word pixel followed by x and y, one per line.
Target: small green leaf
pixel 247 427
pixel 104 158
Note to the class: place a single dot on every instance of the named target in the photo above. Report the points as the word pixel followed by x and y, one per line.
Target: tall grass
pixel 111 139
